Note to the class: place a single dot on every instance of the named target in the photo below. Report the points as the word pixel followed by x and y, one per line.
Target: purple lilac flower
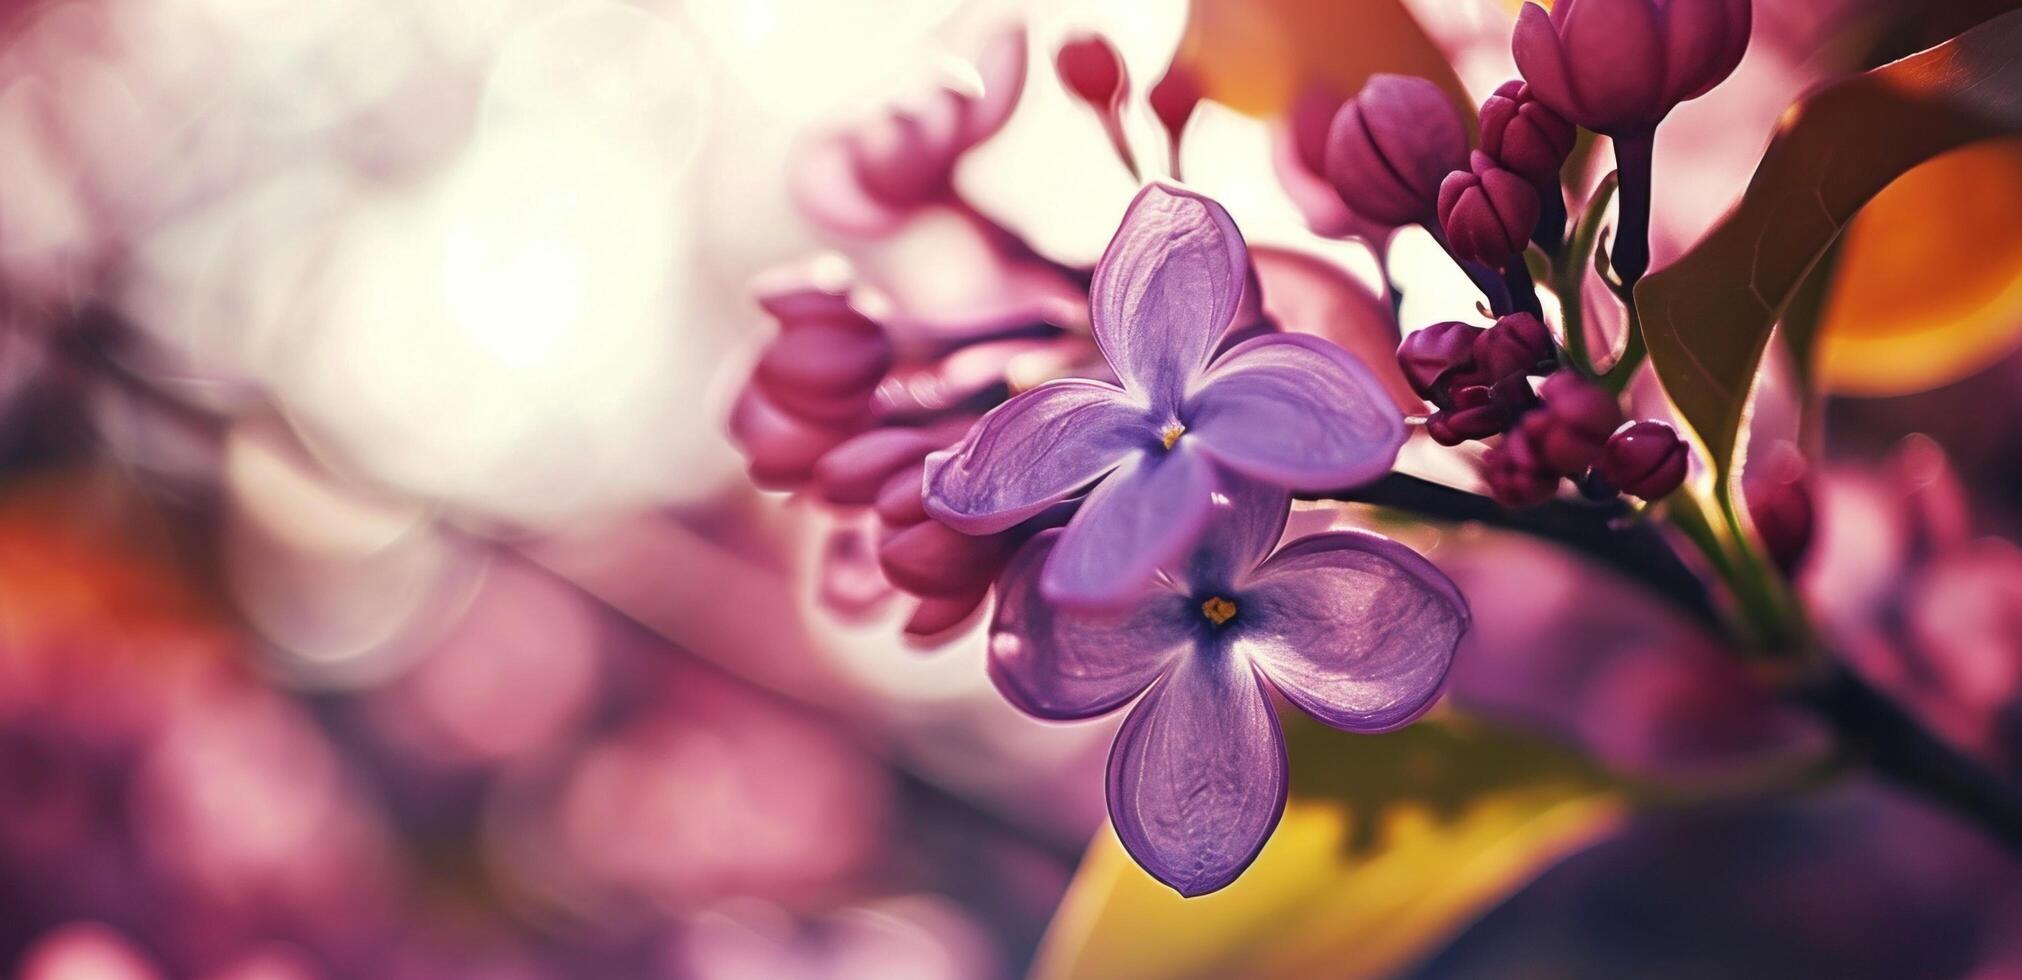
pixel 1289 410
pixel 1355 629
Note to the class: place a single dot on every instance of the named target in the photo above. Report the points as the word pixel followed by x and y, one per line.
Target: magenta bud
pixel 931 558
pixel 828 358
pixel 1516 476
pixel 1524 135
pixel 936 615
pixel 1577 419
pixel 901 501
pixel 1433 357
pixel 1487 212
pixel 851 474
pixel 1516 345
pixel 1390 146
pixel 1619 66
pixel 1091 69
pixel 780 447
pixel 1476 414
pixel 1174 99
pixel 1644 458
pixel 1780 506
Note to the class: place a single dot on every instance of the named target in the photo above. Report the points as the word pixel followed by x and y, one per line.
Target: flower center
pixel 1218 610
pixel 1171 433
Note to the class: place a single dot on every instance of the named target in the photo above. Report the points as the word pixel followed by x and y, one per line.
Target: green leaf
pixel 1389 845
pixel 1708 316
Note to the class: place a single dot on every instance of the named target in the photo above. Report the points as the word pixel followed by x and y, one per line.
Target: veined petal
pixel 1141 519
pixel 1295 411
pixel 1033 451
pixel 1356 629
pixel 1245 523
pixel 1166 289
pixel 1197 775
pixel 1054 663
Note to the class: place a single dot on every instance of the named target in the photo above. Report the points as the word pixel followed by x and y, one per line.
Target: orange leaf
pixel 1254 56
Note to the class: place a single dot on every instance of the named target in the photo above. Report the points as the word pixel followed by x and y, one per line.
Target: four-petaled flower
pixel 1288 410
pixel 1354 628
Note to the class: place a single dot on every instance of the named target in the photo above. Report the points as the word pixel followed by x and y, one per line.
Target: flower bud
pixel 901 501
pixel 1524 135
pixel 1475 414
pixel 828 358
pixel 780 447
pixel 1518 344
pixel 1619 66
pixel 931 558
pixel 1780 505
pixel 1644 458
pixel 851 474
pixel 1577 419
pixel 1174 98
pixel 1487 212
pixel 1433 357
pixel 1390 146
pixel 1516 476
pixel 1091 69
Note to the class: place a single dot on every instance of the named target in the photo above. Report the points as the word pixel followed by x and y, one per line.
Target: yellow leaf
pixel 1255 56
pixel 1389 844
pixel 1929 286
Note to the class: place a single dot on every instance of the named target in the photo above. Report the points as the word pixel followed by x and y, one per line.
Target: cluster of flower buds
pixel 1480 381
pixel 1479 378
pixel 1525 137
pixel 822 413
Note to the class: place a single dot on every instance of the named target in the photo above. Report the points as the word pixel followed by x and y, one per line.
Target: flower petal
pixel 1054 663
pixel 1296 411
pixel 1617 62
pixel 1197 775
pixel 1142 518
pixel 1035 450
pixel 1166 289
pixel 1244 525
pixel 1355 628
pixel 1542 60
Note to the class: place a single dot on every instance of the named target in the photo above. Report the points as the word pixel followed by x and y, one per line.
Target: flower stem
pixel 1550 233
pixel 1485 278
pixel 1523 293
pixel 1569 270
pixel 1631 257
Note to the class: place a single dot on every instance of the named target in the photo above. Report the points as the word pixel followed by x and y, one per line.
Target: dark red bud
pixel 1476 414
pixel 1091 69
pixel 1390 146
pixel 1644 458
pixel 1518 344
pixel 827 359
pixel 1515 474
pixel 937 615
pixel 1577 419
pixel 901 501
pixel 930 558
pixel 1431 358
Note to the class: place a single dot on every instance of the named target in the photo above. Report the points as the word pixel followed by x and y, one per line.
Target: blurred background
pixel 382 595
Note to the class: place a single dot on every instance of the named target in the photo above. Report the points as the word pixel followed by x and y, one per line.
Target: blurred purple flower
pixel 1619 66
pixel 864 180
pixel 1355 629
pixel 1285 409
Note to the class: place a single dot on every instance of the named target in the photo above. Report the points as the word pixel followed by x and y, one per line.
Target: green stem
pixel 1571 267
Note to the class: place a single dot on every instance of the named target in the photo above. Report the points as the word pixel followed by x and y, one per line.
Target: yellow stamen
pixel 1218 610
pixel 1171 434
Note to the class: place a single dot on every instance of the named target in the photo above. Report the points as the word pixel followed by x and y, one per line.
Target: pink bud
pixel 1476 414
pixel 1390 146
pixel 1487 212
pixel 1644 458
pixel 1524 135
pixel 1619 66
pixel 1091 69
pixel 1174 98
pixel 1516 476
pixel 852 474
